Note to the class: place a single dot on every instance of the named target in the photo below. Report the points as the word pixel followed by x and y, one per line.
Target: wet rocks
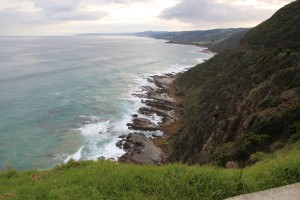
pixel 122 136
pixel 142 124
pixel 157 112
pixel 163 81
pixel 157 103
pixel 141 150
pixel 160 104
pixel 119 144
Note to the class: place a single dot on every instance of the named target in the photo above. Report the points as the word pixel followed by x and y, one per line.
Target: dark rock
pixel 123 136
pixel 163 105
pixel 150 80
pixel 146 89
pixel 142 124
pixel 127 146
pixel 179 93
pixel 140 95
pixel 119 144
pixel 150 111
pixel 135 115
pixel 140 149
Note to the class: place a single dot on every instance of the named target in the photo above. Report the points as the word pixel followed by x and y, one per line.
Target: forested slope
pixel 243 101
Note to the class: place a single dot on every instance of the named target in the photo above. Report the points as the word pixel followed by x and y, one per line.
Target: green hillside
pixel 281 30
pixel 246 100
pixel 232 42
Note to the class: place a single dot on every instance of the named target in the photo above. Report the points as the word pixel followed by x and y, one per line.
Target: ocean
pixel 71 96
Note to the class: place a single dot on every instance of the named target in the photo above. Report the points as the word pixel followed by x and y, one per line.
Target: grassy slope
pixel 107 180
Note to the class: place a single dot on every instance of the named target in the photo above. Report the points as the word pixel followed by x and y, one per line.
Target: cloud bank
pixel 220 12
pixel 67 16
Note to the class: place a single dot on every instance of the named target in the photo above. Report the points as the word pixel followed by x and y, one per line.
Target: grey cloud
pixel 56 5
pixel 65 10
pixel 11 16
pixel 215 12
pixel 70 10
pixel 118 1
pixel 275 1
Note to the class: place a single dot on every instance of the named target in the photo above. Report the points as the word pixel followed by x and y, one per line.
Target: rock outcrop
pixel 142 124
pixel 141 150
pixel 158 105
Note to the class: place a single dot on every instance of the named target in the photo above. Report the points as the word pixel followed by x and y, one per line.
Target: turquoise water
pixel 70 97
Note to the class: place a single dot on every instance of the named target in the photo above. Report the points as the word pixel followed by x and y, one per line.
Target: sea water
pixel 70 97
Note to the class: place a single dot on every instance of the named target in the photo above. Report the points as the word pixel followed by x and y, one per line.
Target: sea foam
pixel 76 156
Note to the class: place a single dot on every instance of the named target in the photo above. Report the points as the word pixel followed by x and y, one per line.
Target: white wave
pixel 76 156
pixel 155 119
pixel 89 118
pixel 152 134
pixel 109 151
pixel 97 128
pixel 200 60
pixel 100 139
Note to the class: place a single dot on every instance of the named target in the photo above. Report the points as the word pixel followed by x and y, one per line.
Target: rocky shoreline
pixel 158 103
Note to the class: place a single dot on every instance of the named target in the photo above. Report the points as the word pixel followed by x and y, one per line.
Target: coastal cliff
pixel 234 109
pixel 243 101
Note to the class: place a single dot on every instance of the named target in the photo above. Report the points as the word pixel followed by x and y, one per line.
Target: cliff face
pixel 245 100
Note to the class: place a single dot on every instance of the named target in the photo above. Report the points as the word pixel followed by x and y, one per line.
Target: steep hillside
pixel 231 43
pixel 281 30
pixel 243 101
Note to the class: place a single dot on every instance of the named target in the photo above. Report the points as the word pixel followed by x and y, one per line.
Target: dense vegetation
pixel 245 100
pixel 282 30
pixel 232 42
pixel 108 180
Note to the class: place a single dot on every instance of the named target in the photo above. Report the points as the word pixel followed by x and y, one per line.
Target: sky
pixel 67 17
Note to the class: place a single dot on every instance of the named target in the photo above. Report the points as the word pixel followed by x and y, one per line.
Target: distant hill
pixel 216 40
pixel 245 102
pixel 202 38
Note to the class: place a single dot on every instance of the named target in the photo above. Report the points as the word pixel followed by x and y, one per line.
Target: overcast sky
pixel 63 17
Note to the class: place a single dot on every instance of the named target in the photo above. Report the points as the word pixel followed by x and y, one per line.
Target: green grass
pixel 201 43
pixel 108 180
